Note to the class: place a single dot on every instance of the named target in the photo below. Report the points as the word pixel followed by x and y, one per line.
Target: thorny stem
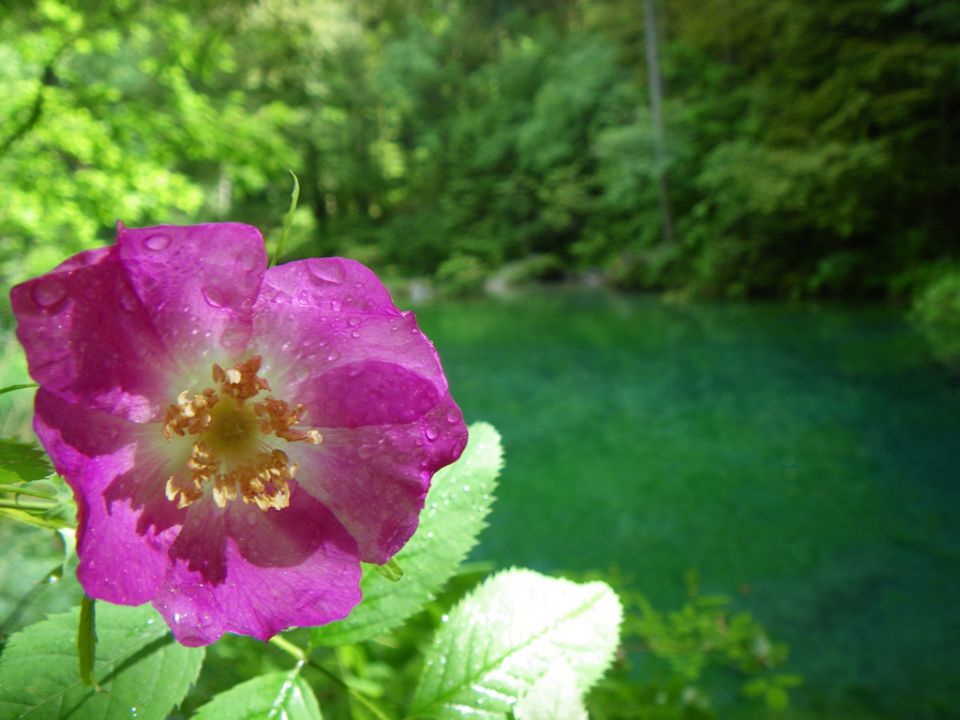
pixel 303 656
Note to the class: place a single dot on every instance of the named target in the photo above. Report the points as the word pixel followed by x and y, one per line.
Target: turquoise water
pixel 801 459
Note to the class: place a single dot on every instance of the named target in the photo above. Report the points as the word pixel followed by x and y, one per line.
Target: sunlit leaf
pixel 504 640
pixel 22 462
pixel 275 695
pixel 142 670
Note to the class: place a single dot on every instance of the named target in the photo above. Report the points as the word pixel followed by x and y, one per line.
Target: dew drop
pixel 354 321
pixel 301 373
pixel 432 433
pixel 327 272
pixel 334 355
pixel 214 297
pixel 47 292
pixel 355 333
pixel 158 241
pixel 454 416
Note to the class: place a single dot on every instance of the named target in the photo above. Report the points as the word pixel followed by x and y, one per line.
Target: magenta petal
pixel 88 338
pixel 333 285
pixel 283 568
pixel 198 283
pixel 375 478
pixel 91 449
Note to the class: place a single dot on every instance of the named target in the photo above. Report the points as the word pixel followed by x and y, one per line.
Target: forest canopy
pixel 812 146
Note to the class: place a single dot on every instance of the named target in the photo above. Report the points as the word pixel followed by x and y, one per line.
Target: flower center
pixel 233 454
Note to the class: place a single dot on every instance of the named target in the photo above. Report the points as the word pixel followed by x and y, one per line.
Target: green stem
pixel 21 386
pixel 302 656
pixel 26 491
pixel 19 505
pixel 287 219
pixel 288 647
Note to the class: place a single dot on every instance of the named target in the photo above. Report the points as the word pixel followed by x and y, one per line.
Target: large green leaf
pixel 454 514
pixel 142 670
pixel 555 696
pixel 22 462
pixel 504 639
pixel 280 695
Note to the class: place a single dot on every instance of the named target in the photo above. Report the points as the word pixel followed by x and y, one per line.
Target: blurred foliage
pixel 813 147
pixel 936 310
pixel 670 658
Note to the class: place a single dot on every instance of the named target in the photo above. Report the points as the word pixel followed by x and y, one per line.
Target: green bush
pixel 936 311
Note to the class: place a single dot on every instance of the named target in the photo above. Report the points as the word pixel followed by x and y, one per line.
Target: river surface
pixel 803 460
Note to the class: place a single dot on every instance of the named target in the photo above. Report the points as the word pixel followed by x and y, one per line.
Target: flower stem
pixel 302 656
pixel 288 647
pixel 20 505
pixel 29 492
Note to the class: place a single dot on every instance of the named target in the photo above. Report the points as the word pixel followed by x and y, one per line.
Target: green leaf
pixel 503 641
pixel 142 670
pixel 453 516
pixel 275 695
pixel 555 696
pixel 86 640
pixel 22 462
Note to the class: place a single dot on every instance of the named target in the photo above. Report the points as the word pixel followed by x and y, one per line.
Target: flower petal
pixel 89 339
pixel 296 566
pixel 334 285
pixel 330 325
pixel 198 282
pixel 369 379
pixel 118 562
pixel 375 477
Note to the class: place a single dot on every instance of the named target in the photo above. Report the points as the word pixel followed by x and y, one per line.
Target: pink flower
pixel 237 438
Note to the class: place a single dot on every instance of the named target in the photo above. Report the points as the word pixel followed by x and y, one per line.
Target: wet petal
pixel 375 478
pixel 197 282
pixel 118 562
pixel 89 339
pixel 297 566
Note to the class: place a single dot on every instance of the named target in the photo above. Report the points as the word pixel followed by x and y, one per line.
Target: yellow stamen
pixel 228 434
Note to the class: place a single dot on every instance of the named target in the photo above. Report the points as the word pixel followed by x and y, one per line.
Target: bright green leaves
pixel 519 635
pixel 454 514
pixel 142 671
pixel 29 492
pixel 280 695
pixel 22 462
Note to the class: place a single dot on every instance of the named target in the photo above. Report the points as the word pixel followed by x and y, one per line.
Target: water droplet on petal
pixel 214 297
pixel 48 291
pixel 301 373
pixel 354 321
pixel 157 241
pixel 432 433
pixel 355 333
pixel 334 355
pixel 327 272
pixel 454 416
